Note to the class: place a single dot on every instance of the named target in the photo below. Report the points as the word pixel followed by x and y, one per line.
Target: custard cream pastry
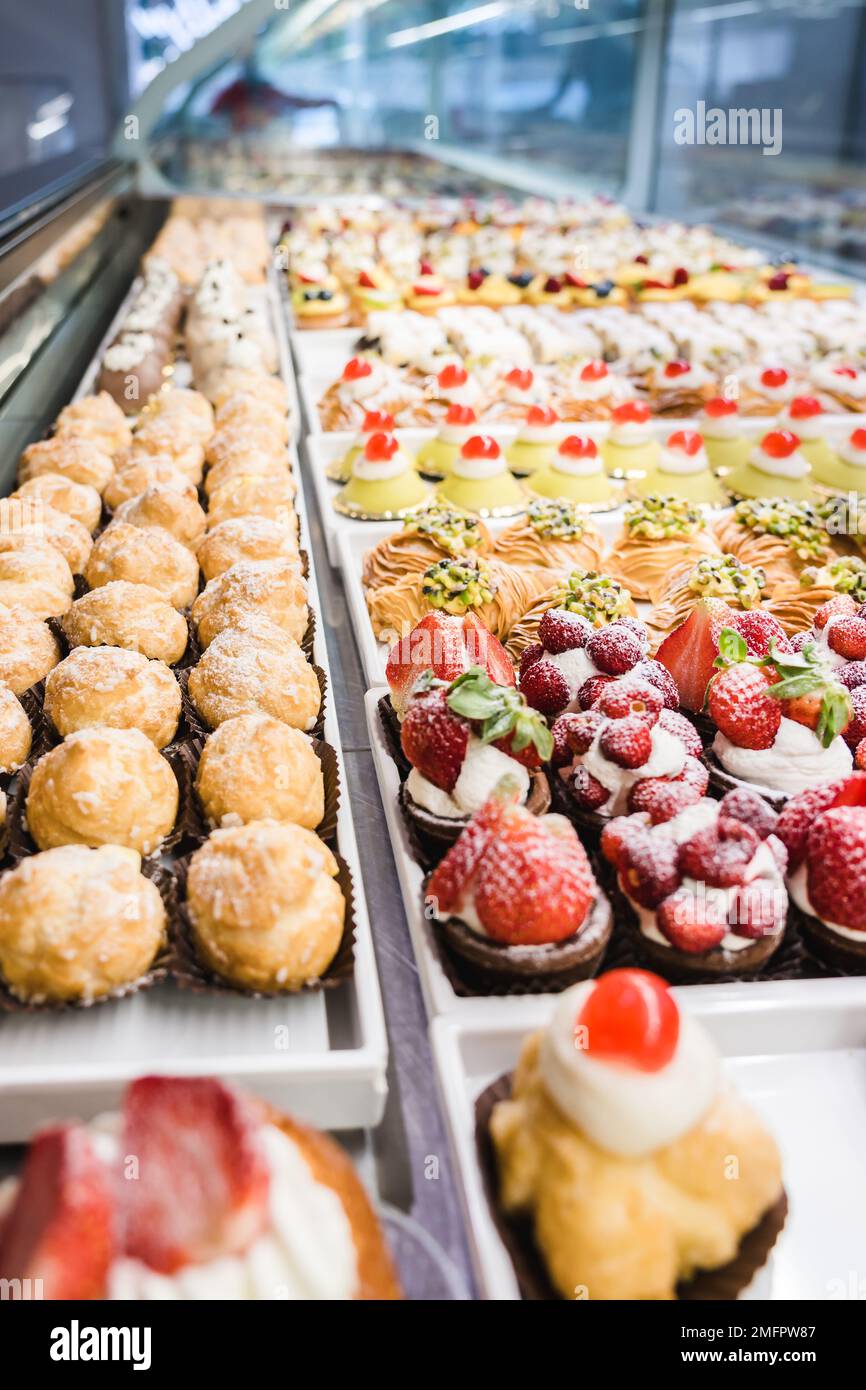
pixel 435 456
pixel 366 383
pixel 844 384
pixel 255 669
pixel 630 445
pixel 35 577
pixel 845 469
pixel 598 598
pixel 497 593
pixel 135 617
pixel 28 649
pixel 576 474
pixel 479 481
pixel 16 736
pixel 423 539
pixel 555 535
pixel 244 441
pixel 658 534
pixel 79 501
pixel 271 589
pixel 254 767
pixel 78 460
pixel 144 556
pixel 111 687
pixel 24 522
pixel 264 906
pixel 102 787
pixel 339 470
pixel 726 443
pixel 194 412
pixel 616 1143
pixel 248 495
pixel 776 467
pixel 766 390
pixel 536 441
pixel 679 387
pixel 175 512
pixel 806 417
pixel 248 538
pixel 590 393
pixel 232 381
pixel 96 418
pixel 712 576
pixel 384 484
pixel 133 478
pixel 778 536
pixel 78 924
pixel 683 469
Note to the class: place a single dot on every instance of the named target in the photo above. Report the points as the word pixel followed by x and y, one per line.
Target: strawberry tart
pixel 701 882
pixel 232 1201
pixel 566 668
pixel 824 831
pixel 516 901
pixel 605 1154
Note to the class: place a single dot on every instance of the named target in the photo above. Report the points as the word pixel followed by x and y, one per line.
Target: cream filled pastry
pixel 375 422
pixel 589 393
pixel 765 387
pixel 722 429
pixel 844 384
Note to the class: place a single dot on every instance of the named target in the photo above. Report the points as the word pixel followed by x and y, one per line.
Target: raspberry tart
pixel 591 1151
pixel 516 901
pixel 232 1201
pixel 824 831
pixel 701 882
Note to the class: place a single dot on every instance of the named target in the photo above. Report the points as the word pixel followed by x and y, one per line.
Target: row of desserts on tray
pixel 199 231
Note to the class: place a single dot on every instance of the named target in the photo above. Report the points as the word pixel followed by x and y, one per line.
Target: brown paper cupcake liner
pixel 723 1284
pixel 824 950
pixel 308 640
pixel 391 734
pixel 157 974
pixel 33 704
pixel 722 782
pixel 189 972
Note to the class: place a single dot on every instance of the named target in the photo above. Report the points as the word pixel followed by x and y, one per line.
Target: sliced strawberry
pixel 741 708
pixel 60 1227
pixel 485 650
pixel 545 687
pixel 719 854
pixel 842 605
pixel 446 645
pixel 626 742
pixel 651 873
pixel 684 730
pixel 836 856
pixel 661 799
pixel 691 649
pixel 632 1018
pixel 452 878
pixel 534 886
pixel 434 738
pixel 692 922
pixel 746 805
pixel 614 649
pixel 759 629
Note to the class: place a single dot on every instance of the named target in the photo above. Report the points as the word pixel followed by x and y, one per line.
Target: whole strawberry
pixel 802 810
pixel 742 710
pixel 692 922
pixel 847 637
pixel 545 687
pixel 563 631
pixel 533 884
pixel 719 854
pixel 434 738
pixel 615 649
pixel 836 858
pixel 760 630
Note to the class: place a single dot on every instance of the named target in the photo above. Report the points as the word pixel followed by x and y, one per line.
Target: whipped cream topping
pixel 825 376
pixel 456 434
pixel 129 352
pixel 851 454
pixel 483 767
pixel 516 395
pixel 576 666
pixel 821 637
pixel 795 760
pixel 597 389
pixel 466 394
pixel 364 386
pixel 796 465
pixel 478 468
pixel 695 377
pixel 804 426
pixel 624 1111
pixel 539 434
pixel 785 392
pixel 679 462
pixel 798 887
pixel 667 759
pixel 576 468
pixel 630 434
pixel 379 471
pixel 720 426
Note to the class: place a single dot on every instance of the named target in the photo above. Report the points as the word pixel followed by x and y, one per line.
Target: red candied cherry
pixel 480 446
pixel 561 631
pixel 366 280
pixel 680 276
pixel 452 375
pixel 774 377
pixel 588 792
pixel 380 447
pixel 578 446
pixel 552 285
pixel 686 442
pixel 630 1017
pixel 541 415
pixel 591 689
pixel 614 649
pixel 641 260
pixel 377 420
pixel 461 415
pixel 678 367
pixel 426 268
pixel 631 412
pixel 544 687
pixel 626 742
pixel 631 696
pixel 475 279
pixel 858 439
pixel 779 281
pixel 849 372
pixel 720 406
pixel 521 377
pixel 780 444
pixel 804 407
pixel 692 922
pixel 595 370
pixel 357 368
pixel 847 637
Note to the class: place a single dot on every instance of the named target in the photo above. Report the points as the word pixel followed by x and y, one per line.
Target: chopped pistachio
pixel 558 520
pixel 655 518
pixel 847 575
pixel 457 586
pixel 798 523
pixel 724 576
pixel 596 597
pixel 450 529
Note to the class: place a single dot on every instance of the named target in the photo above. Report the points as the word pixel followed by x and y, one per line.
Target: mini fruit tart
pixel 607 1153
pixel 597 597
pixel 536 441
pixel 658 533
pixel 711 577
pixel 776 535
pixel 775 467
pixel 824 831
pixel 701 882
pixel 782 720
pixel 552 535
pixel 435 457
pixel 576 474
pixel 516 901
pixel 682 467
pixel 461 739
pixel 566 668
pixel 630 446
pixel 425 537
pixel 624 737
pixel 726 442
pixel 679 387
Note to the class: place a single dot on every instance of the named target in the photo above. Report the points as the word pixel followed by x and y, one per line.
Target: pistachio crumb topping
pixel 724 576
pixel 557 520
pixel 655 518
pixel 458 585
pixel 596 597
pixel 452 530
pixel 847 575
pixel 798 523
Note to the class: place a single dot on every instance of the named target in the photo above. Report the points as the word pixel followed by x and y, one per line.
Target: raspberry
pixel 591 689
pixel 852 675
pixel 847 637
pixel 589 793
pixel 614 649
pixel 574 733
pixel 662 679
pixel 836 854
pixel 802 810
pixel 619 835
pixel 631 696
pixel 651 872
pixel 759 628
pixel 695 775
pixel 692 922
pixel 758 909
pixel 626 742
pixel 745 805
pixel 741 708
pixel 561 631
pixel 856 730
pixel 662 799
pixel 718 855
pixel 684 730
pixel 530 656
pixel 545 687
pixel 842 604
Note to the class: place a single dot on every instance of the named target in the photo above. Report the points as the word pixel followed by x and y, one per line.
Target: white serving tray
pixel 322 1056
pixel 798 1056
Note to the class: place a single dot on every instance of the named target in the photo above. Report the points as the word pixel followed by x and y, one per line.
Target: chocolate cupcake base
pixel 553 966
pixel 722 782
pixel 842 953
pixel 436 834
pixel 588 824
pixel 723 1284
